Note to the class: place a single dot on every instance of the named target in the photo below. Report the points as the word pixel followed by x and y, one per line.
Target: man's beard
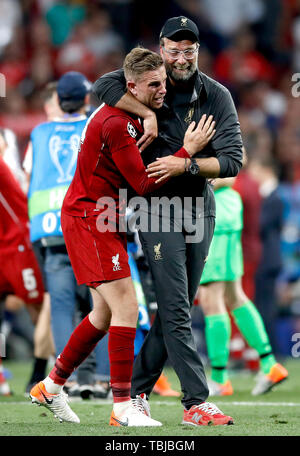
pixel 190 69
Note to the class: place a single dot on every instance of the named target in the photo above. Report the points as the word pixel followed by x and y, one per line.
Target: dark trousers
pixel 266 303
pixel 176 267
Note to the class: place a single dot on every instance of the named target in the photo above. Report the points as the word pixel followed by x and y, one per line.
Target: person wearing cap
pixel 93 212
pixel 50 163
pixel 177 270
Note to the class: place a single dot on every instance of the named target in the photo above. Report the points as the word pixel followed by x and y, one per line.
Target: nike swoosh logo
pixel 49 401
pixel 121 423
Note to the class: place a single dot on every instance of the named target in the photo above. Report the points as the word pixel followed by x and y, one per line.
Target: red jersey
pixel 14 222
pixel 248 190
pixel 108 160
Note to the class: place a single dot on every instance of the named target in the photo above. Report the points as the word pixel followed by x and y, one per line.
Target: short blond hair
pixel 139 61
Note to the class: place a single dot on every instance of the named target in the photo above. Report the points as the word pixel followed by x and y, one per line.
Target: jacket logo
pixel 183 22
pixel 115 261
pixel 189 116
pixel 157 252
pixel 131 130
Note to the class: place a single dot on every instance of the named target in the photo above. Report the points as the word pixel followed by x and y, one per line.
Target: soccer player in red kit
pixel 19 273
pixel 108 161
pixel 20 276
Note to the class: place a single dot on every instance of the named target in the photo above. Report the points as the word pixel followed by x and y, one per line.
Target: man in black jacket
pixel 176 256
pixel 263 170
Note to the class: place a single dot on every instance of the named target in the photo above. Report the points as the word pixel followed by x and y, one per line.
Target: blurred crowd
pixel 250 46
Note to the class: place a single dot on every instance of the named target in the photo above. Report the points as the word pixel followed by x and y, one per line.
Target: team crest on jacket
pixel 157 252
pixel 131 130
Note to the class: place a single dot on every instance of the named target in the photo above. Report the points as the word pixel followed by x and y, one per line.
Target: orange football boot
pixel 163 388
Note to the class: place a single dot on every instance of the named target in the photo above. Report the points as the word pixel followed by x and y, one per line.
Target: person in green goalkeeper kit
pixel 221 287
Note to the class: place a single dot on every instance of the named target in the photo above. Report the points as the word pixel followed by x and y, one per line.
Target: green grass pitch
pixel 273 414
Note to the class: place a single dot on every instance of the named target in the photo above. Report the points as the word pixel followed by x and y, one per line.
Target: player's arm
pixel 127 158
pixel 224 182
pixel 111 89
pixel 227 142
pixel 228 181
pixel 171 166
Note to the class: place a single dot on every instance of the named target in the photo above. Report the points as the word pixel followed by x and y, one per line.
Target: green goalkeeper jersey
pixel 229 210
pixel 225 259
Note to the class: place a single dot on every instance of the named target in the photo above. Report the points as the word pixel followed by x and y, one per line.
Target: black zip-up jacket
pixel 207 97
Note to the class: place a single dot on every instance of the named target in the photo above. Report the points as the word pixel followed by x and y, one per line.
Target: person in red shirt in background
pixel 248 189
pixel 251 245
pixel 20 278
pixel 108 161
pixel 242 63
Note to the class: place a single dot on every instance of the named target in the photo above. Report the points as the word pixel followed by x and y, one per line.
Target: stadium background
pixel 251 46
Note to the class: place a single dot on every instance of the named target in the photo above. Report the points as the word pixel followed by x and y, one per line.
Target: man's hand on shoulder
pixel 130 104
pixel 150 131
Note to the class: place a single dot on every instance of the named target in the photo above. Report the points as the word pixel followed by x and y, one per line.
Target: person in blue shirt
pixel 52 153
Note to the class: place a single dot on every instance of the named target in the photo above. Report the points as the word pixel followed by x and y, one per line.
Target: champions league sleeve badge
pixel 131 130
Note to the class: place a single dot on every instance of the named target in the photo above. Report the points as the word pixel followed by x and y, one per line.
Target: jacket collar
pixel 199 87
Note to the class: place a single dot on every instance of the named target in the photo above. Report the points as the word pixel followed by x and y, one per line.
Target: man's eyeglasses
pixel 188 54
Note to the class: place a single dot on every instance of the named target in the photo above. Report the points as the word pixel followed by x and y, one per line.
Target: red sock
pixel 121 357
pixel 81 343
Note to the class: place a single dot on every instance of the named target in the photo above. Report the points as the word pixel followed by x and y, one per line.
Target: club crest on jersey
pixel 115 261
pixel 131 130
pixel 157 252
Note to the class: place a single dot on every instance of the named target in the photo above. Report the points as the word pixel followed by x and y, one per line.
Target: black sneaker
pixel 83 391
pixel 101 391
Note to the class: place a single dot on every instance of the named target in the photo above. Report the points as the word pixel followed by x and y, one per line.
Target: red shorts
pixel 95 257
pixel 20 275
